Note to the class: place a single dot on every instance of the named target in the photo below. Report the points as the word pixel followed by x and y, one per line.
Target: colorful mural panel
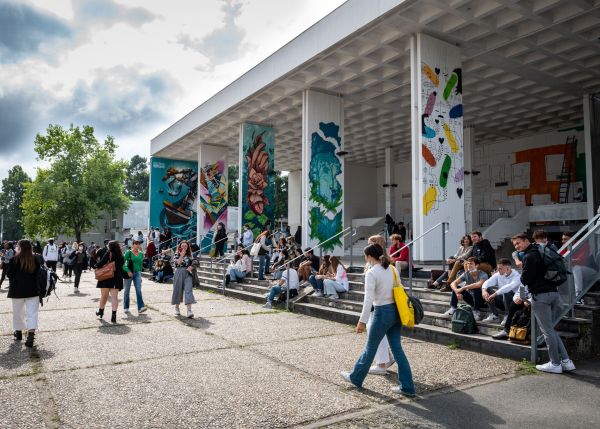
pixel 326 190
pixel 213 199
pixel 257 176
pixel 173 196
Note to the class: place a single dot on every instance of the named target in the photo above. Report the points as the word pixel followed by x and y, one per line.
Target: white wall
pixel 294 214
pixel 360 193
pixel 401 195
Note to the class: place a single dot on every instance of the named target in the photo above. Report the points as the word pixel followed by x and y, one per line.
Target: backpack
pixel 556 268
pixel 46 282
pixel 520 329
pixel 417 307
pixel 463 321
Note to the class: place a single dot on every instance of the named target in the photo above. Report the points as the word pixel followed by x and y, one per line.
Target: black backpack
pixel 556 268
pixel 418 309
pixel 463 321
pixel 46 282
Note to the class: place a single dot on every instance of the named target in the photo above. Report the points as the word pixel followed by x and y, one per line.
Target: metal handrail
pixel 155 257
pixel 229 255
pixel 382 232
pixel 578 233
pixel 208 246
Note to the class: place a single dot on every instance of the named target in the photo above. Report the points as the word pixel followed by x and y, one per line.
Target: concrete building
pixel 483 114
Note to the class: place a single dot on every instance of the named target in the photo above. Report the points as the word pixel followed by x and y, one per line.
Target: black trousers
pixel 77 269
pixel 512 309
pixel 51 265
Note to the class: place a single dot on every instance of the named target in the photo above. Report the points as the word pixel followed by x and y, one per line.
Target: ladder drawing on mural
pixel 566 171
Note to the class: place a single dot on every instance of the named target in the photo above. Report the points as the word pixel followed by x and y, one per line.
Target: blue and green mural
pixel 173 196
pixel 325 200
pixel 257 178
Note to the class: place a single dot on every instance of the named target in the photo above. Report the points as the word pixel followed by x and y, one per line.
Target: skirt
pixel 183 287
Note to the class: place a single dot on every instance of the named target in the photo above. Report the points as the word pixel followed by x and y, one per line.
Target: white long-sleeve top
pixel 379 283
pixel 505 284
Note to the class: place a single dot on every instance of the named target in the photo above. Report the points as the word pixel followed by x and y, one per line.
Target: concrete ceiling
pixel 526 66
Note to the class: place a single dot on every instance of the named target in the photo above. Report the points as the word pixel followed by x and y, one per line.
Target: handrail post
pixel 571 282
pixel 444 246
pixel 534 350
pixel 287 290
pixel 351 251
pixel 410 270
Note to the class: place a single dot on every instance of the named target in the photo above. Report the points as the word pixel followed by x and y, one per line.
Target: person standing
pixel 379 283
pixel 389 224
pixel 264 257
pixel 545 302
pixel 9 253
pixel 50 254
pixel 220 239
pixel 247 236
pixel 80 261
pixel 113 285
pixel 183 287
pixel 134 262
pixel 23 289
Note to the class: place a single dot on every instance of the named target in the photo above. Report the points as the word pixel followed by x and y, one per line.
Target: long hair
pixel 335 262
pixel 115 249
pixel 188 251
pixel 25 259
pixel 378 239
pixel 375 251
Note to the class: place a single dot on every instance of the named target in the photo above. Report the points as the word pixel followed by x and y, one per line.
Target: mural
pixel 258 171
pixel 173 195
pixel 213 199
pixel 325 200
pixel 441 129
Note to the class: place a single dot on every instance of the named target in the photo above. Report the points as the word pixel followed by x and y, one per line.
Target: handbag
pixel 106 272
pixel 405 309
pixel 254 249
pixel 212 252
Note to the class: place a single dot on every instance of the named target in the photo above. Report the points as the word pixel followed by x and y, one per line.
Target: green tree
pixel 83 179
pixel 233 185
pixel 137 180
pixel 281 195
pixel 11 199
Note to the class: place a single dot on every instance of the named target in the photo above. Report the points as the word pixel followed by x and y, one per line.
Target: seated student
pixel 316 280
pixel 401 258
pixel 276 268
pixel 467 287
pixel 309 264
pixel 483 250
pixel 236 265
pixel 277 250
pixel 583 265
pixel 334 284
pixel 463 252
pixel 165 273
pixel 504 283
pixel 520 300
pixel 239 272
pixel 280 285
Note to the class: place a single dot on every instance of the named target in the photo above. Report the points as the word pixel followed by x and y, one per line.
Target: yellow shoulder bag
pixel 405 310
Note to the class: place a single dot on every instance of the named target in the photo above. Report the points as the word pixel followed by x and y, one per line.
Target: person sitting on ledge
pixel 280 285
pixel 316 280
pixel 467 287
pixel 501 286
pixel 399 258
pixel 238 273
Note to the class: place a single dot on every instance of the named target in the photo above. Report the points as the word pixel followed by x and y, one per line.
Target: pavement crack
pixel 48 407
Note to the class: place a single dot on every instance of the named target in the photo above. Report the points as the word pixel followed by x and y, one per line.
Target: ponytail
pixel 385 261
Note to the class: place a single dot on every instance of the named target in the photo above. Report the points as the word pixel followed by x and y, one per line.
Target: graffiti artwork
pixel 325 200
pixel 173 195
pixel 258 169
pixel 213 199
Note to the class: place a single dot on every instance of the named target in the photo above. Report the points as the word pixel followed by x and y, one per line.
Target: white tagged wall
pixel 437 150
pixel 323 171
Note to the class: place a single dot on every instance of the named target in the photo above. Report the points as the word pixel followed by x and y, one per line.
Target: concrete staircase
pixel 581 333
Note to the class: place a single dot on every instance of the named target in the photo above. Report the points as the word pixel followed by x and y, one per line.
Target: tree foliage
pixel 83 179
pixel 233 185
pixel 137 180
pixel 11 199
pixel 281 195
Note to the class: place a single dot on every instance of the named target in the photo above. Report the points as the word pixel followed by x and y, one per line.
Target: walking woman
pixel 23 289
pixel 182 282
pixel 8 254
pixel 220 239
pixel 80 262
pixel 134 262
pixel 113 285
pixel 379 282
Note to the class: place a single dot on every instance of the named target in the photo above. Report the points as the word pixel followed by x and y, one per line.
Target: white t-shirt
pixel 341 277
pixel 51 252
pixel 294 280
pixel 379 283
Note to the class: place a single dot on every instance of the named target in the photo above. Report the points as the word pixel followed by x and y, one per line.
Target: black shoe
pixel 30 337
pixel 18 335
pixel 113 318
pixel 100 313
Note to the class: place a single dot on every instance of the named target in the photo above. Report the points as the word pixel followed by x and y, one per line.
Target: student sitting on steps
pixel 467 287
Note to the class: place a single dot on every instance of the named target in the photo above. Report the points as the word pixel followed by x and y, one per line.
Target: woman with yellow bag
pixel 379 284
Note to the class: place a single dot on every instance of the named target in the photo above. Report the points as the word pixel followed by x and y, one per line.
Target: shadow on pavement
pixel 113 328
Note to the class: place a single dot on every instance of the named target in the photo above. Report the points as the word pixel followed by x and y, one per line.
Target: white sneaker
pixel 477 315
pixel 492 318
pixel 398 389
pixel 567 365
pixel 143 309
pixel 190 315
pixel 377 370
pixel 550 367
pixel 450 312
pixel 126 310
pixel 268 305
pixel 503 323
pixel 346 376
pixel 390 362
pixel 76 290
pixel 177 312
pixel 318 293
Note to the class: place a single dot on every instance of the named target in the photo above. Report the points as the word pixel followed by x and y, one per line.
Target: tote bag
pixel 405 310
pixel 254 249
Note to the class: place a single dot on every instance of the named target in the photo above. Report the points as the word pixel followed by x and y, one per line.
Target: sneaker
pixel 567 365
pixel 190 315
pixel 318 293
pixel 268 305
pixel 503 323
pixel 346 376
pixel 143 309
pixel 76 290
pixel 477 315
pixel 502 335
pixel 550 367
pixel 333 297
pixel 390 362
pixel 126 310
pixel 177 312
pixel 398 389
pixel 450 312
pixel 492 318
pixel 445 288
pixel 432 285
pixel 580 302
pixel 377 370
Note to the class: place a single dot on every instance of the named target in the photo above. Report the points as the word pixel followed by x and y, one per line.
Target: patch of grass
pixel 527 368
pixel 56 418
pixel 454 345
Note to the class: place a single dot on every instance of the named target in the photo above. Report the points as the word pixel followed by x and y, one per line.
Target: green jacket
pixel 138 261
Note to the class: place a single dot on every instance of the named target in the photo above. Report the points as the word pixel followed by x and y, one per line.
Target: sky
pixel 129 68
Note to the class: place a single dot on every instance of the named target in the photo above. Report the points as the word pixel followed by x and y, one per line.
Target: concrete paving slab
pixel 215 307
pixel 14 358
pixel 219 389
pixel 21 406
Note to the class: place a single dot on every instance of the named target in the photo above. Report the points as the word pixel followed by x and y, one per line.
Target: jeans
pixel 274 292
pixel 22 307
pixel 316 283
pixel 472 297
pixel 332 287
pixel 236 275
pixel 277 275
pixel 545 305
pixel 162 277
pixel 582 276
pixel 386 323
pixel 506 299
pixel 137 282
pixel 263 265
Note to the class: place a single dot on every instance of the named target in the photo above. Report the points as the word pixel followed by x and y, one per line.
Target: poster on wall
pixel 173 196
pixel 213 199
pixel 257 178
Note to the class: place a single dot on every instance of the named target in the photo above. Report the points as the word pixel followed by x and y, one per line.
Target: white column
pixel 388 181
pixel 589 177
pixel 294 214
pixel 212 191
pixel 469 142
pixel 437 149
pixel 322 170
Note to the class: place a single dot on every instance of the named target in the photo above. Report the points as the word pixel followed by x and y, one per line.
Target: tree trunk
pixel 78 235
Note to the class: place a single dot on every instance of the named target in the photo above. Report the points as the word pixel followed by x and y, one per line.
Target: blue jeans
pixel 386 322
pixel 277 275
pixel 274 292
pixel 137 282
pixel 264 261
pixel 236 274
pixel 317 284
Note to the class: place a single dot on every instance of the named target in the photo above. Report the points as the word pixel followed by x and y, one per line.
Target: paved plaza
pixel 234 365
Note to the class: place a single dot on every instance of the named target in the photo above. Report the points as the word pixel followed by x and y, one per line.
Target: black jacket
pixel 534 272
pixel 484 252
pixel 23 284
